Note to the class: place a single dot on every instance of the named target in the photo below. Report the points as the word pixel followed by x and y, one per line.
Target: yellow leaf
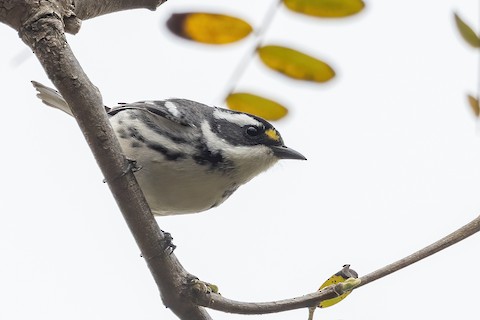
pixel 467 33
pixel 256 105
pixel 347 276
pixel 208 28
pixel 326 8
pixel 338 277
pixel 295 64
pixel 473 102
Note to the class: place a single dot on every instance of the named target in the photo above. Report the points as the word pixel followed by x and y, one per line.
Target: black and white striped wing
pixel 180 111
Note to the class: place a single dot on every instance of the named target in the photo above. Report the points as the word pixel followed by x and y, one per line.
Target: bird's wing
pixel 180 111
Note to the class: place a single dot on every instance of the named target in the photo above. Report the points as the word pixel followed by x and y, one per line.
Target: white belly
pixel 171 187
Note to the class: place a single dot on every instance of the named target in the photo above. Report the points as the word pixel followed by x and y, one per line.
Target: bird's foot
pixel 167 244
pixel 132 166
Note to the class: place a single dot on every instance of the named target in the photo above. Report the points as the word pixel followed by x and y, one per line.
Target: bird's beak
pixel 283 152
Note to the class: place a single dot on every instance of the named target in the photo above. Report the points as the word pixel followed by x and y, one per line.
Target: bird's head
pixel 250 142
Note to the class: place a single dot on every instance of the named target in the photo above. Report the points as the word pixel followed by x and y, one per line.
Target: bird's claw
pixel 167 244
pixel 132 166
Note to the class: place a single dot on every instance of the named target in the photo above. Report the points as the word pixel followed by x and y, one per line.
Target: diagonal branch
pixel 41 27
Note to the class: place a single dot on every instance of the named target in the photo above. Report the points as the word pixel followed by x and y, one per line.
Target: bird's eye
pixel 252 131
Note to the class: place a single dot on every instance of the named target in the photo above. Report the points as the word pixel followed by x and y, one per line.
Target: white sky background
pixel 393 165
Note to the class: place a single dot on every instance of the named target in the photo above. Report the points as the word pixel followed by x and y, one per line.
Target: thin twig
pixel 217 302
pixel 454 237
pixel 250 53
pixel 220 303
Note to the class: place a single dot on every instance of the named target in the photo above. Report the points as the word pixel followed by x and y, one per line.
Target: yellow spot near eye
pixel 272 134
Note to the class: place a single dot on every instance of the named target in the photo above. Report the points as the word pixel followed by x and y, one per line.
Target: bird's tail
pixel 51 97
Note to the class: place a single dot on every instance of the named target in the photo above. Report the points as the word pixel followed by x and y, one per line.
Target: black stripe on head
pixel 240 128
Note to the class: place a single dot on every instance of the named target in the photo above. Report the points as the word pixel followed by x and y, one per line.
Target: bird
pixel 191 157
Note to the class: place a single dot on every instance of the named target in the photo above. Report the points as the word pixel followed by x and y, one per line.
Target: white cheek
pixel 212 140
pixel 249 160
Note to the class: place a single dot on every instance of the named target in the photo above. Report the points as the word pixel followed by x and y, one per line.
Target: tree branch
pixel 40 26
pixel 87 9
pixel 15 13
pixel 218 302
pixel 460 234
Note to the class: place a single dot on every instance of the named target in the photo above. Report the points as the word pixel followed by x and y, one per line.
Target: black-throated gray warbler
pixel 192 156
